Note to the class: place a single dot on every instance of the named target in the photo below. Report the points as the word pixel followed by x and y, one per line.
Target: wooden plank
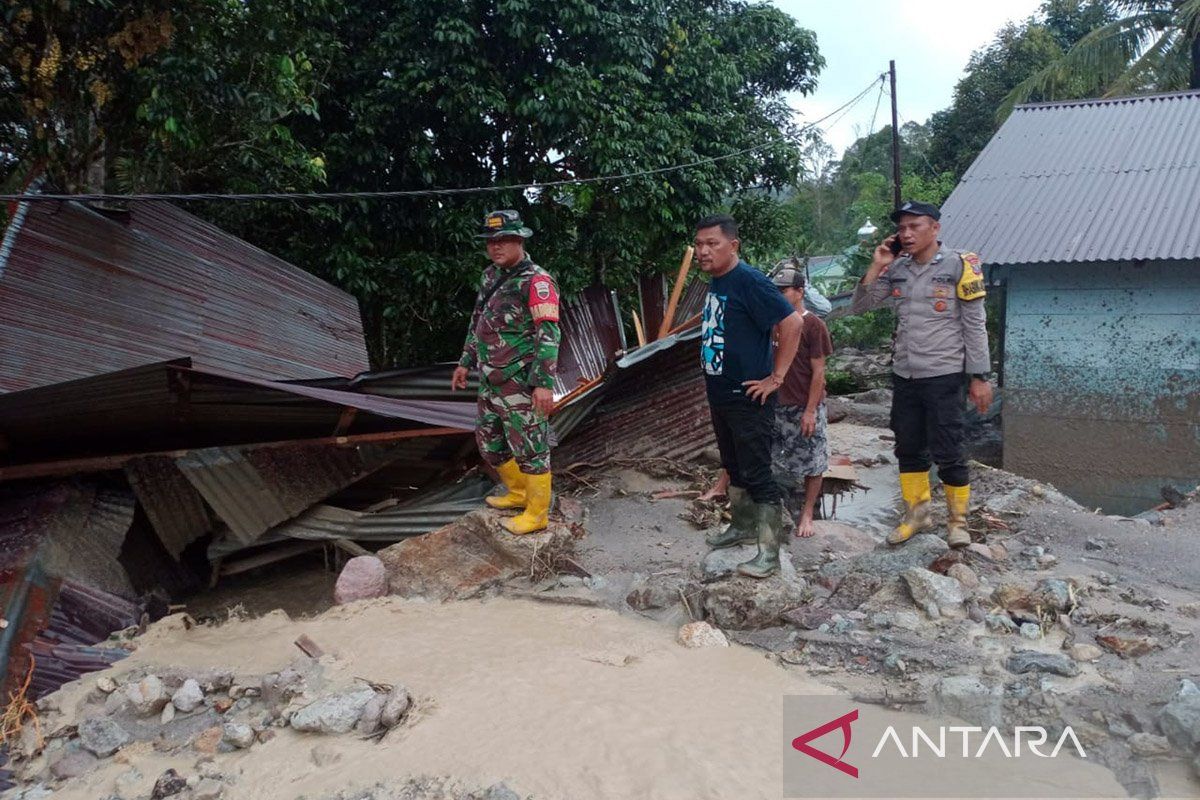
pixel 676 292
pixel 637 326
pixel 270 556
pixel 345 421
pixel 353 548
pixel 105 463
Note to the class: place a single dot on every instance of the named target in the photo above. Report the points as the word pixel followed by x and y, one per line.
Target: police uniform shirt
pixel 941 321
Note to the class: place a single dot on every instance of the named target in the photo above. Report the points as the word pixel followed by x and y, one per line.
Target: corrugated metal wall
pixel 82 293
pixel 1102 379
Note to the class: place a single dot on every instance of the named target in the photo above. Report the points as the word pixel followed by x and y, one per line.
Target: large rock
pixel 148 696
pixel 701 634
pixel 938 595
pixel 723 563
pixel 655 592
pixel 919 551
pixel 395 706
pixel 854 590
pixel 363 578
pixel 102 737
pixel 457 561
pixel 238 734
pixel 189 696
pixel 1180 719
pixel 748 604
pixel 1022 661
pixel 333 713
pixel 833 537
pixel 1053 593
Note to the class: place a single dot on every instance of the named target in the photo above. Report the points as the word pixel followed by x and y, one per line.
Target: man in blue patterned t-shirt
pixel 741 375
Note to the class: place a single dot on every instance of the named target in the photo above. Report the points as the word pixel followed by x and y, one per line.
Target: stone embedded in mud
pixel 457 561
pixel 102 737
pixel 208 741
pixel 1031 630
pixel 106 685
pixel 500 791
pixel 968 697
pixel 1147 745
pixel 655 592
pixel 363 578
pixel 1010 595
pixel 1000 623
pixel 1022 661
pixel 854 590
pixel 1085 652
pixel 1180 719
pixel 964 575
pixel 749 604
pixel 808 618
pixel 936 594
pixel 395 706
pixel 169 784
pixel 332 713
pixel 368 723
pixel 147 696
pixel 208 789
pixel 189 696
pixel 74 764
pixel 237 734
pixel 919 551
pixel 701 634
pixel 1053 593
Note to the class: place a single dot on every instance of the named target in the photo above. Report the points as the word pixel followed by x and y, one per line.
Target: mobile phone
pixel 895 246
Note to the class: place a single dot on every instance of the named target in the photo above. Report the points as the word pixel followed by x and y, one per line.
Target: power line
pixel 430 192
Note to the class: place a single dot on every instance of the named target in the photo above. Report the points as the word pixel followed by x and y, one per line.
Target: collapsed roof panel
pixel 85 293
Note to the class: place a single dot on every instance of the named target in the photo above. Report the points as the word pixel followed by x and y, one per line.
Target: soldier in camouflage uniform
pixel 513 340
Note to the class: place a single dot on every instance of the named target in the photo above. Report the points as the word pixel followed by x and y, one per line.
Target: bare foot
pixel 806 528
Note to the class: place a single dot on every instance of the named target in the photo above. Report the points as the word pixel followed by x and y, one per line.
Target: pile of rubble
pixel 205 713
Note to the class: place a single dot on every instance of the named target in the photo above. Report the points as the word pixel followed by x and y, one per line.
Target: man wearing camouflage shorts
pixel 800 449
pixel 513 339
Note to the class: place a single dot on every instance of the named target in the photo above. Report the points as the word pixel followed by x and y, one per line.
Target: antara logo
pixel 1033 737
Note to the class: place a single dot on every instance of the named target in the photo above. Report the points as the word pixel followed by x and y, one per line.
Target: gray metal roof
pixel 1085 180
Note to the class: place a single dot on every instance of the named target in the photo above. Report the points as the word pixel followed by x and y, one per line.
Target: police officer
pixel 513 340
pixel 940 345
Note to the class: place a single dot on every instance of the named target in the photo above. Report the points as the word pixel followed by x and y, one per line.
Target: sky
pixel 930 40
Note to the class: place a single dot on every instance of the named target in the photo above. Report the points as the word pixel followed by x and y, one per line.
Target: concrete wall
pixel 1102 379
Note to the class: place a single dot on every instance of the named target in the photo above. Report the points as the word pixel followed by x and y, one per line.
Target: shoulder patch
pixel 543 299
pixel 970 284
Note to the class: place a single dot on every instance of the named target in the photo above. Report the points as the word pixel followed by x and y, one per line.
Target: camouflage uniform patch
pixel 795 457
pixel 514 341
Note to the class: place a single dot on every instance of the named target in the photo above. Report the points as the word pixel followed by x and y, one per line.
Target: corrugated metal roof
pixel 84 293
pixel 174 508
pixel 1094 180
pixel 592 333
pixel 254 490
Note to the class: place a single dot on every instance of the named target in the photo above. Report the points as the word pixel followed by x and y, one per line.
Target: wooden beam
pixel 637 326
pixel 105 463
pixel 676 292
pixel 345 421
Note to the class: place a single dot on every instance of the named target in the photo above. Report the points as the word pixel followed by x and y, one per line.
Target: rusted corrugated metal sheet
pixel 169 407
pixel 254 490
pixel 691 302
pixel 84 293
pixel 1084 180
pixel 592 334
pixel 652 298
pixel 654 406
pixel 173 506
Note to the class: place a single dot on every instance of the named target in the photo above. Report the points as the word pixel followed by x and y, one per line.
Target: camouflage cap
pixel 789 273
pixel 503 223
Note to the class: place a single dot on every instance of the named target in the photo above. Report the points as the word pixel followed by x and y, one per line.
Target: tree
pixel 450 93
pixel 159 95
pixel 1017 52
pixel 1151 45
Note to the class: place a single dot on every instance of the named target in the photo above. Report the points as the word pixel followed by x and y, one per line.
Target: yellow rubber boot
pixel 536 515
pixel 514 481
pixel 957 500
pixel 914 488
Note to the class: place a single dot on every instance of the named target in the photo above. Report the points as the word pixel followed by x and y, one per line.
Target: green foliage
pixel 839 382
pixel 868 331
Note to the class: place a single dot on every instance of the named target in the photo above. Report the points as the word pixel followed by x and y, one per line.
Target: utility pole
pixel 895 139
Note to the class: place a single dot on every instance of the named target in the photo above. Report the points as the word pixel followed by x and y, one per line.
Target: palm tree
pixel 1151 45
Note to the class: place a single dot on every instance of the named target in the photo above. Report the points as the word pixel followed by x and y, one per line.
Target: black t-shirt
pixel 741 309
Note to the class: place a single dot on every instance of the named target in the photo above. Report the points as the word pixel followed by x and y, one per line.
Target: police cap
pixel 918 209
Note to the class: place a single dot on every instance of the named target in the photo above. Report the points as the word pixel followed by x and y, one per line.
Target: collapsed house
pixel 178 406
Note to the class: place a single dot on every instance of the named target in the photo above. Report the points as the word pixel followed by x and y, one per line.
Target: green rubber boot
pixel 741 524
pixel 769 519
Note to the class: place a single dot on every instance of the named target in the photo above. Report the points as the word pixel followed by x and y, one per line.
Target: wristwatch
pixel 981 376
